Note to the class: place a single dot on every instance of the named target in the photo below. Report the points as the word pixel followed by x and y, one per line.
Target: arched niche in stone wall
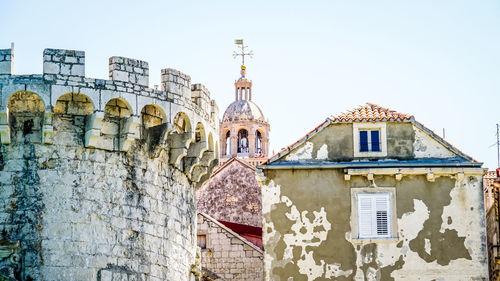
pixel 115 124
pixel 197 149
pixel 180 138
pixel 26 117
pixel 216 149
pixel 152 115
pixel 211 142
pixel 72 113
pixel 153 124
pixel 199 133
pixel 181 123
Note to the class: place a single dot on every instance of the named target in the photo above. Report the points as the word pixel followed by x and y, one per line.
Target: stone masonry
pixel 97 177
pixel 226 253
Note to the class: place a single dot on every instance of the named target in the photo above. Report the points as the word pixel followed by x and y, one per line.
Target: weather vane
pixel 241 52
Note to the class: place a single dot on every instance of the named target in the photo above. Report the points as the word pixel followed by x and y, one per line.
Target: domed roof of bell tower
pixel 243 108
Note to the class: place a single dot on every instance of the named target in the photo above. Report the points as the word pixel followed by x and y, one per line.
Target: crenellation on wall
pixel 6 62
pixel 201 97
pixel 129 70
pixel 214 110
pixel 64 62
pixel 176 82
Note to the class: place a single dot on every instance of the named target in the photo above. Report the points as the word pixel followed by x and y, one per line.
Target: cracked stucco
pixel 426 147
pixel 293 252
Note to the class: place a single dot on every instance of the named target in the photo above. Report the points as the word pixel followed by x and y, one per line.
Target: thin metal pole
pixel 498 146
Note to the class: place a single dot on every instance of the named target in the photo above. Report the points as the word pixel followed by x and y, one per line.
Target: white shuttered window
pixel 374 217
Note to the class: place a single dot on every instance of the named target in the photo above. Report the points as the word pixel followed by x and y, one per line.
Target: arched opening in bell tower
pixel 242 141
pixel 228 143
pixel 258 142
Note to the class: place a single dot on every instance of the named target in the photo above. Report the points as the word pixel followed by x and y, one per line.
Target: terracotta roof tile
pixel 370 112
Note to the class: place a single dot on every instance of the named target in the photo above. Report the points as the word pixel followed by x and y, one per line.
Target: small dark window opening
pixel 28 127
pixel 197 135
pixel 202 241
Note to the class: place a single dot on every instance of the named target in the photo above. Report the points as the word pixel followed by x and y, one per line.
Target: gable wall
pixel 232 195
pixel 335 143
pixel 227 256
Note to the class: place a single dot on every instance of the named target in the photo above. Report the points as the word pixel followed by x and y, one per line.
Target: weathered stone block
pixel 51 68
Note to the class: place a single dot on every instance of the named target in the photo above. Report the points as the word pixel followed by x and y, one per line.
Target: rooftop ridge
pixel 370 112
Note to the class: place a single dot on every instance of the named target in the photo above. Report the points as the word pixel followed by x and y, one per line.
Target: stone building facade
pixel 225 253
pixel 98 177
pixel 372 194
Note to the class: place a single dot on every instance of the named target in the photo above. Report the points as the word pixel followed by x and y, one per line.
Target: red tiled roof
pixel 371 112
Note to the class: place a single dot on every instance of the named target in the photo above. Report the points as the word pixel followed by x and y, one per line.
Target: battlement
pixel 64 62
pixel 6 62
pixel 113 113
pixel 129 70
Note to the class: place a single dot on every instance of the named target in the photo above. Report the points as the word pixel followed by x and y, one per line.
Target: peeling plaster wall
pixel 440 229
pixel 400 138
pixel 334 142
pixel 426 147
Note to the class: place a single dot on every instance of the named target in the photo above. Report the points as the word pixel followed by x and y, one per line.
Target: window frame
pixel 373 213
pixel 373 126
pixel 392 219
pixel 205 233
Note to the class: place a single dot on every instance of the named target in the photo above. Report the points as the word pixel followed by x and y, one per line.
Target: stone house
pixel 225 254
pixel 372 194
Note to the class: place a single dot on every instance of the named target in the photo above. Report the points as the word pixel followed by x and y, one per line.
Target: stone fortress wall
pixel 97 177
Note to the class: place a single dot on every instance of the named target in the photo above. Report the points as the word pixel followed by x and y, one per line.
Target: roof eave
pixel 388 164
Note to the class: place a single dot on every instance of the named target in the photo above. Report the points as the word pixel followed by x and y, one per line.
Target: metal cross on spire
pixel 241 52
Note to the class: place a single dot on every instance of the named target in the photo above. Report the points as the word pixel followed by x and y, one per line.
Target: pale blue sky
pixel 437 60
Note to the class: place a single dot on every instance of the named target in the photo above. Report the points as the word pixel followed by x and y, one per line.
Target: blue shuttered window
pixel 363 141
pixel 375 140
pixel 369 140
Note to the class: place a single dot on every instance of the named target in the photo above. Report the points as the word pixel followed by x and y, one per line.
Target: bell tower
pixel 244 131
pixel 243 86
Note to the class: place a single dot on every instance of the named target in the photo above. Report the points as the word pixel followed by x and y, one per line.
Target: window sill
pixel 363 241
pixel 370 154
